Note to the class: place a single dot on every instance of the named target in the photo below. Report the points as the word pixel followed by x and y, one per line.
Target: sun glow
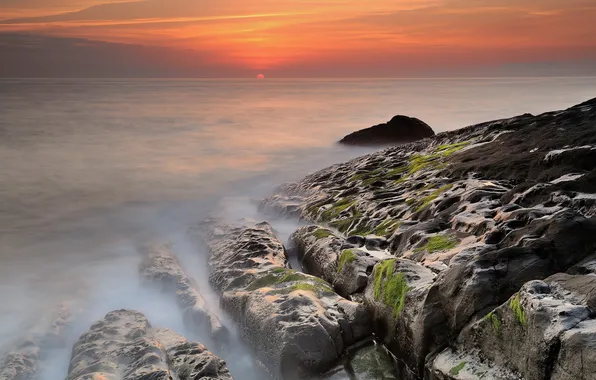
pixel 260 76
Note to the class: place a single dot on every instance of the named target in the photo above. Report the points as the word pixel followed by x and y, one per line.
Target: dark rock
pixel 531 336
pixel 406 312
pixel 356 240
pixel 482 210
pixel 124 346
pixel 400 129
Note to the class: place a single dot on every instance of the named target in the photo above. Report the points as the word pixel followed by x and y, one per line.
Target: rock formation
pixel 123 345
pixel 161 268
pixel 445 238
pixel 26 357
pixel 399 130
pixel 296 323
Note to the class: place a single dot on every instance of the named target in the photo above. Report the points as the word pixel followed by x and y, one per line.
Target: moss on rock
pixel 439 243
pixel 322 233
pixel 518 310
pixel 457 369
pixel 347 256
pixel 390 288
pixel 494 320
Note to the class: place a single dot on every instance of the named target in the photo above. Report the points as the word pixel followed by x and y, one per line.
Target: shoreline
pixel 471 254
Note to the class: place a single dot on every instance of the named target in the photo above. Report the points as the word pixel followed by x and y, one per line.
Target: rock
pixel 369 361
pixel 406 314
pixel 296 323
pixel 24 360
pixel 400 129
pixel 372 362
pixel 482 210
pixel 162 268
pixel 21 364
pixel 124 346
pixel 324 254
pixel 533 335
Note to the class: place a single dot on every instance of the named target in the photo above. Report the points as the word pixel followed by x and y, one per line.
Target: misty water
pixel 90 169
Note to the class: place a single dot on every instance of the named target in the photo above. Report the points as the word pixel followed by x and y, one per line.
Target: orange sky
pixel 299 37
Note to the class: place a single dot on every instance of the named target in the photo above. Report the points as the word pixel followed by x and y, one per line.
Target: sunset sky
pixel 297 38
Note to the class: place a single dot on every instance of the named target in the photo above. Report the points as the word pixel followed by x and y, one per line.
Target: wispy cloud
pixel 396 35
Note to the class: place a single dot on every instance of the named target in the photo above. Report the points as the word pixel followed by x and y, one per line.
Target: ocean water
pixel 90 168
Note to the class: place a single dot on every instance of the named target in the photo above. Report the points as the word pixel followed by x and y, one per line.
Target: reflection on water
pixel 92 167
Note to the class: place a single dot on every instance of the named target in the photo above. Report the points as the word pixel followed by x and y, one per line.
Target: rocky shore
pixel 470 254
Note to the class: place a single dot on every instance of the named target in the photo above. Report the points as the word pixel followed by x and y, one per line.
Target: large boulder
pixel 161 268
pixel 296 323
pixel 123 345
pixel 545 331
pixel 400 129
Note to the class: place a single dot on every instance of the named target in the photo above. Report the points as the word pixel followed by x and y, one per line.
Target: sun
pixel 260 76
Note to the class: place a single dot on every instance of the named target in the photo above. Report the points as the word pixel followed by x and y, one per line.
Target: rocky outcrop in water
pixel 161 268
pixel 26 358
pixel 124 346
pixel 296 323
pixel 399 130
pixel 442 238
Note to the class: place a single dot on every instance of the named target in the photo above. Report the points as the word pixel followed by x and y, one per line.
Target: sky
pixel 297 38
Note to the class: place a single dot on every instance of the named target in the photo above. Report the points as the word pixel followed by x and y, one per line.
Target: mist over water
pixel 90 169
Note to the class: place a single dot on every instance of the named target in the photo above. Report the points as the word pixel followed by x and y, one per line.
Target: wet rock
pixel 123 345
pixel 326 255
pixel 369 361
pixel 532 335
pixel 296 323
pixel 484 209
pixel 406 313
pixel 162 268
pixel 21 364
pixel 24 360
pixel 400 129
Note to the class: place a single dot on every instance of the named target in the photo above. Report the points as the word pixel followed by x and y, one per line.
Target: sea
pixel 90 168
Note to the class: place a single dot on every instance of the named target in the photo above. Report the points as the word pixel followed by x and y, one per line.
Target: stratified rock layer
pixel 296 323
pixel 162 268
pixel 124 346
pixel 469 216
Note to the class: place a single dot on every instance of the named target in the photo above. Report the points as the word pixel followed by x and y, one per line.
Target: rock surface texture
pixel 296 323
pixel 399 130
pixel 473 249
pixel 161 268
pixel 124 346
pixel 25 359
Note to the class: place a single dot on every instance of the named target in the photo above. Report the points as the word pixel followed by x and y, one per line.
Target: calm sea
pixel 90 167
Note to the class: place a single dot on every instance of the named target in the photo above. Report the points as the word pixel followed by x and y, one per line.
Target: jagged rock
pixel 124 346
pixel 485 209
pixel 25 359
pixel 162 268
pixel 21 364
pixel 295 322
pixel 324 254
pixel 400 129
pixel 533 335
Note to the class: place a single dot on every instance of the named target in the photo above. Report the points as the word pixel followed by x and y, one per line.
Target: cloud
pixel 389 36
pixel 28 55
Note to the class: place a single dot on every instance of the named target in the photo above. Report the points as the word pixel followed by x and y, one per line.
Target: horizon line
pixel 307 78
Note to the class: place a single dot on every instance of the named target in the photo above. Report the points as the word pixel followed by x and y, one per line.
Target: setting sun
pixel 260 76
